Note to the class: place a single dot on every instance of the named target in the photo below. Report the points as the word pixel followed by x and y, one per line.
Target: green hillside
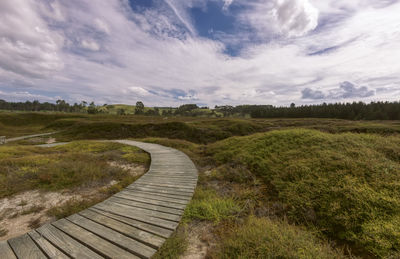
pixel 345 185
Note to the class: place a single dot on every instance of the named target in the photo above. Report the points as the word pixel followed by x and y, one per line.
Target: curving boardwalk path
pixel 133 223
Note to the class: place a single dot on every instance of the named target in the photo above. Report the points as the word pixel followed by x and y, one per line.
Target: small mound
pixel 265 238
pixel 348 185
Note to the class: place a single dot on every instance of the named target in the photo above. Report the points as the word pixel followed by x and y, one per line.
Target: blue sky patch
pixel 211 19
pixel 136 5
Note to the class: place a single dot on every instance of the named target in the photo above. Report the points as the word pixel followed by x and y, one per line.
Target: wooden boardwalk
pixel 133 223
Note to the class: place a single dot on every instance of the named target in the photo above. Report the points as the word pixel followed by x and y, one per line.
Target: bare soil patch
pixel 200 239
pixel 25 211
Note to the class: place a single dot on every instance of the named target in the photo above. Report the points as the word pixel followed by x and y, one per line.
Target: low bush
pixel 265 238
pixel 207 205
pixel 345 184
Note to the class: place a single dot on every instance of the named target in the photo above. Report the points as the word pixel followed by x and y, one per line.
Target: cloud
pixel 27 46
pixel 226 5
pixel 151 54
pixel 90 45
pixel 346 90
pixel 102 26
pixel 308 93
pixel 349 90
pixel 295 17
pixel 139 91
pixel 22 96
pixel 272 19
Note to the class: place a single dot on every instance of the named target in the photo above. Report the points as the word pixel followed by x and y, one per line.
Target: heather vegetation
pixel 286 188
pixel 346 185
pixel 78 164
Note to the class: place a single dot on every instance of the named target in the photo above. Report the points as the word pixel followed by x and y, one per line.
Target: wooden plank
pixel 5 251
pixel 146 206
pixel 91 240
pixel 149 196
pixel 131 211
pixel 65 243
pixel 160 231
pixel 167 180
pixel 172 178
pixel 150 201
pixel 24 247
pixel 158 190
pixel 50 250
pixel 148 212
pixel 173 196
pixel 126 212
pixel 113 236
pixel 133 232
pixel 161 184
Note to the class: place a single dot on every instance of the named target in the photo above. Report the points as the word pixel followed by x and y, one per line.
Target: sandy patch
pixel 51 140
pixel 25 211
pixel 19 211
pixel 133 169
pixel 200 239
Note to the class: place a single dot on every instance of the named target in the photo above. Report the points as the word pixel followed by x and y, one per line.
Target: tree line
pixel 350 111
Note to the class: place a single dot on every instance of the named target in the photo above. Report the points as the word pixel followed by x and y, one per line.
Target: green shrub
pixel 348 185
pixel 264 238
pixel 207 205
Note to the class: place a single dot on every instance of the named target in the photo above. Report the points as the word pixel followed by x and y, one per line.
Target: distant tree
pixel 92 109
pixel 121 111
pixel 186 109
pixel 292 105
pixel 139 109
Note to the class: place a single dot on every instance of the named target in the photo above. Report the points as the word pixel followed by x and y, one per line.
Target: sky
pixel 208 52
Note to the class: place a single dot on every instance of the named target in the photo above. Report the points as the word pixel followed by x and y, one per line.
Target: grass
pixel 347 185
pixel 73 206
pixel 174 246
pixel 265 238
pixel 207 205
pixel 78 164
pixel 33 209
pixel 194 129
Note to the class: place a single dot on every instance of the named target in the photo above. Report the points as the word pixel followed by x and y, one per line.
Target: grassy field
pixel 306 188
pixel 78 164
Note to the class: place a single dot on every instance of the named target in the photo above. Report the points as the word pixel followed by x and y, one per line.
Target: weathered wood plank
pixel 161 184
pixel 145 211
pixel 113 236
pixel 91 240
pixel 150 201
pixel 160 231
pixel 166 195
pixel 133 232
pixel 24 247
pixel 5 251
pixel 126 212
pixel 157 190
pixel 50 250
pixel 145 206
pixel 66 244
pixel 176 191
pixel 158 198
